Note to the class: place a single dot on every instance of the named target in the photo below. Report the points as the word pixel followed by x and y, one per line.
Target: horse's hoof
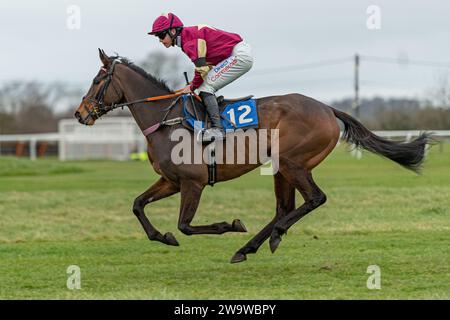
pixel 170 240
pixel 238 257
pixel 274 242
pixel 238 226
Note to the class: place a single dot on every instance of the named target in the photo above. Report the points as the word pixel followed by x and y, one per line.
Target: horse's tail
pixel 410 155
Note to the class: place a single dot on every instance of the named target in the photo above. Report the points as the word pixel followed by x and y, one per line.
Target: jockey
pixel 220 58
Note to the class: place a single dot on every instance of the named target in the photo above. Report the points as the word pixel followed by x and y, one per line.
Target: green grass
pixel 23 167
pixel 53 215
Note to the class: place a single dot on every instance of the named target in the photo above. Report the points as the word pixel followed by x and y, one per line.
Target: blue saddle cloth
pixel 235 115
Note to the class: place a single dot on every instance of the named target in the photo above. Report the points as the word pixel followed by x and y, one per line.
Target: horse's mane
pixel 158 82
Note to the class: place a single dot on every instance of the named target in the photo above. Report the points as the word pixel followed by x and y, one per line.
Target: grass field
pixel 53 215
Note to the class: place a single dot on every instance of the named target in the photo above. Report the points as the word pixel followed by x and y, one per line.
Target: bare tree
pixel 29 107
pixel 10 96
pixel 7 123
pixel 440 93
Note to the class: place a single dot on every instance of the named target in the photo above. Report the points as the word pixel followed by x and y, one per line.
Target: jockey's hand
pixel 187 89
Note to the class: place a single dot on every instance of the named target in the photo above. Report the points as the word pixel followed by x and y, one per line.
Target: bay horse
pixel 308 132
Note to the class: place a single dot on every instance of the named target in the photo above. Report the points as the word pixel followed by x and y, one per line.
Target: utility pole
pixel 356 84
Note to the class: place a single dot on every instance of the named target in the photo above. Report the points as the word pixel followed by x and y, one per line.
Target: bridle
pixel 99 109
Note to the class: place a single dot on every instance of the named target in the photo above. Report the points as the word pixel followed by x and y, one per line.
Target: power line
pixel 406 61
pixel 324 63
pixel 295 67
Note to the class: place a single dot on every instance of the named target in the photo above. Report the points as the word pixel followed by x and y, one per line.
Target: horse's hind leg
pixel 314 197
pixel 285 195
pixel 190 199
pixel 161 189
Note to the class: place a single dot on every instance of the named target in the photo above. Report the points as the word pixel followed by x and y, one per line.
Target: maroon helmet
pixel 165 22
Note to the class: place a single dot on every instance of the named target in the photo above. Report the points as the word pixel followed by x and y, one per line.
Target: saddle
pixel 224 102
pixel 200 113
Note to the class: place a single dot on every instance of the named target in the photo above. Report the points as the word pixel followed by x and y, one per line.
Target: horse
pixel 308 132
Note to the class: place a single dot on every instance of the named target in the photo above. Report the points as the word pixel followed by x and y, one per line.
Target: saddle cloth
pixel 235 113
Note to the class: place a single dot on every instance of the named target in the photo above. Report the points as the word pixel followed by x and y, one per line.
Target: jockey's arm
pixel 197 53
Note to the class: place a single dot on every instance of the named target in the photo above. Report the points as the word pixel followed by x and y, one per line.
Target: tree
pixel 7 123
pixel 400 113
pixel 440 93
pixel 29 107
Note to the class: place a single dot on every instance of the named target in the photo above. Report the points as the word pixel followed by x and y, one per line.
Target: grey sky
pixel 37 45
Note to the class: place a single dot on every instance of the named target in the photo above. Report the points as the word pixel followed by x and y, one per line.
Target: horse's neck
pixel 135 87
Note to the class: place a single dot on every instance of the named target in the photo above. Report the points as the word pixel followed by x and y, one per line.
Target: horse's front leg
pixel 191 192
pixel 160 190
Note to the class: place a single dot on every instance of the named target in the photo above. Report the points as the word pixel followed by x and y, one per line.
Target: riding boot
pixel 216 131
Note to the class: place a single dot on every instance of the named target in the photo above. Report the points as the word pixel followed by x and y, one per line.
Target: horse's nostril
pixel 77 115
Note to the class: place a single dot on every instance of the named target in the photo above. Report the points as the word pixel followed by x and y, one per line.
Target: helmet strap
pixel 174 37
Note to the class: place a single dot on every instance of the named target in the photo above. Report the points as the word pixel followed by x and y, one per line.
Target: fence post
pixel 33 143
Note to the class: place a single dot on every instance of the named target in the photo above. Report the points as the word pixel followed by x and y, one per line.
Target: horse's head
pixel 104 92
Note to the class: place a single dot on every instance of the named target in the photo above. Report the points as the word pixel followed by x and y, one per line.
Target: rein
pixel 171 122
pixel 176 94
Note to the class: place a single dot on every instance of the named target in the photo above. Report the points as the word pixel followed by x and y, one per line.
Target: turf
pixel 54 214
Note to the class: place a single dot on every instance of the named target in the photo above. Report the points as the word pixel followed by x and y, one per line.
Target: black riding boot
pixel 216 131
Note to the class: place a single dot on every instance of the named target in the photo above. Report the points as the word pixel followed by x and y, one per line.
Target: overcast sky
pixel 38 45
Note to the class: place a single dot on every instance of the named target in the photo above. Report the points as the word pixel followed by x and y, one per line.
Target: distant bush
pixel 399 114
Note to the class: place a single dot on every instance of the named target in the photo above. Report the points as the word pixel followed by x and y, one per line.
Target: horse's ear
pixel 104 58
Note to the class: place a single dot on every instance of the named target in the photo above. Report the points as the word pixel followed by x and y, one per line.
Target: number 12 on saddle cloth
pixel 236 115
